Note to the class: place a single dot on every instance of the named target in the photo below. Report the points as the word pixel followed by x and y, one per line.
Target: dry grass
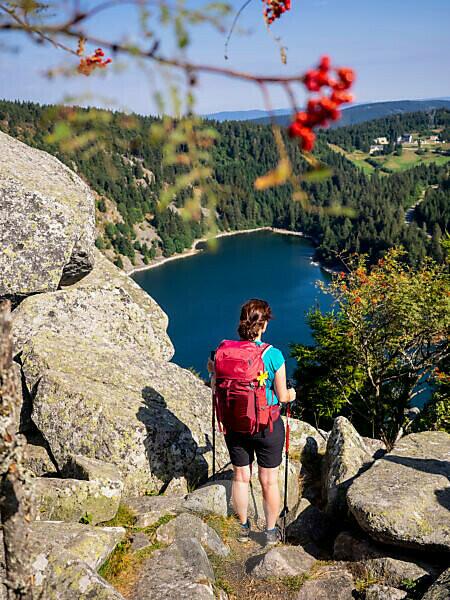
pixel 124 517
pixel 122 568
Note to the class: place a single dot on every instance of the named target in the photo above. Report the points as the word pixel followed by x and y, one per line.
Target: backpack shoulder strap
pixel 265 348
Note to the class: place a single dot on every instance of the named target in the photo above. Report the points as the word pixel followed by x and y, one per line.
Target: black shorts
pixel 268 447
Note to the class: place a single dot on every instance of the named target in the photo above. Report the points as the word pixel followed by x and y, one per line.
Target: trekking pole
pixel 285 510
pixel 213 437
pixel 213 418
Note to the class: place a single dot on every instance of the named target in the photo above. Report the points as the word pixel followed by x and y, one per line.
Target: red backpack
pixel 240 400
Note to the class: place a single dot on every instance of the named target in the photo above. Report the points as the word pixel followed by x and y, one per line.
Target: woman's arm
pixel 210 368
pixel 284 394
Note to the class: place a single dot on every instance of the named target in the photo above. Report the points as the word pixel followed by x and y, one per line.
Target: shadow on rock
pixel 427 465
pixel 443 497
pixel 170 447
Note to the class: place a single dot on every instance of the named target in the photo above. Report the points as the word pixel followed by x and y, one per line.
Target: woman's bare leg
pixel 239 491
pixel 271 494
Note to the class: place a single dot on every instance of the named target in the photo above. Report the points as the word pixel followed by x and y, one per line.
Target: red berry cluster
pixel 94 61
pixel 274 9
pixel 320 111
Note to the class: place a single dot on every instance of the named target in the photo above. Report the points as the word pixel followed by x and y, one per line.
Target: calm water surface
pixel 202 294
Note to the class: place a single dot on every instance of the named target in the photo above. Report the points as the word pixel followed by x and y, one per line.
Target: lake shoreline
pixel 193 250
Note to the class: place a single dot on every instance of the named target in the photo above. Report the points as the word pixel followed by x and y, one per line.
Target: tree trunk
pixel 15 497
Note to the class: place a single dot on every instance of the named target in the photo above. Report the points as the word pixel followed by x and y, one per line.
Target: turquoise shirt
pixel 273 359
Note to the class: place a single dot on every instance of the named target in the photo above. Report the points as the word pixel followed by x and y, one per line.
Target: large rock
pixel 187 525
pixel 92 545
pixel 346 456
pixel 109 318
pixel 107 309
pixel 384 564
pixel 306 442
pixel 106 276
pixel 180 572
pixel 283 561
pixel 47 220
pixel 329 582
pixel 151 419
pixel 66 578
pixel 71 499
pixel 440 590
pixel 404 498
pixel 213 498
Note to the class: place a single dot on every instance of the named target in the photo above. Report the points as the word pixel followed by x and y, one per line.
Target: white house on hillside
pixel 381 141
pixel 406 138
pixel 376 148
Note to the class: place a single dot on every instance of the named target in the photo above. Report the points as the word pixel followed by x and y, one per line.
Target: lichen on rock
pixel 149 418
pixel 47 220
pixel 346 456
pixel 403 499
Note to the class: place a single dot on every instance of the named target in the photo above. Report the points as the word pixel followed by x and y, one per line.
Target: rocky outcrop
pixel 149 418
pixel 47 219
pixel 346 455
pixel 404 499
pixel 284 561
pixel 440 590
pixel 183 572
pixel 106 308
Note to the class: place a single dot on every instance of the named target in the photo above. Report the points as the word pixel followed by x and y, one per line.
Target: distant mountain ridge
pixel 352 115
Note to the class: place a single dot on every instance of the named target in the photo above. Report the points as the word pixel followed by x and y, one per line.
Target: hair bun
pixel 254 315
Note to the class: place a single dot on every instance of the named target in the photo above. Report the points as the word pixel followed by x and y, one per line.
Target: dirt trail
pixel 231 572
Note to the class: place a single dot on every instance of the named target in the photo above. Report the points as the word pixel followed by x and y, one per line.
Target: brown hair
pixel 254 314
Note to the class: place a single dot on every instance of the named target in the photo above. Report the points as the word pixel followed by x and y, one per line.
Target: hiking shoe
pixel 244 534
pixel 273 536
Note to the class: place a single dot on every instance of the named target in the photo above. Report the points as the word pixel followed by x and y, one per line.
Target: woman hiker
pixel 249 383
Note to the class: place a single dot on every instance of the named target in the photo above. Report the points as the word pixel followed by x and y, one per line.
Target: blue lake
pixel 202 294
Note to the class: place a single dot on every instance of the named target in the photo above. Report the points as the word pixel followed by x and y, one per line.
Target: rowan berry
pixel 321 110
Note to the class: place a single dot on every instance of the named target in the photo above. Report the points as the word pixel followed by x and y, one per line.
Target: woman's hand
pixel 284 394
pixel 210 366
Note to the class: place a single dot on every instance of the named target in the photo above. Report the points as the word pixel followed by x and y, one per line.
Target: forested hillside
pixel 127 173
pixel 360 137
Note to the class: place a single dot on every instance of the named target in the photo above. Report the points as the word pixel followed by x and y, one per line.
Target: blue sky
pixel 399 49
